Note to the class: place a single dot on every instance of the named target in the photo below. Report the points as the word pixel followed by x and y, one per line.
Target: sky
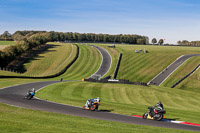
pixel 171 20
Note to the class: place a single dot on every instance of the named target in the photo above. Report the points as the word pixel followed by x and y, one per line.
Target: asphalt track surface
pixel 162 76
pixel 15 96
pixel 106 62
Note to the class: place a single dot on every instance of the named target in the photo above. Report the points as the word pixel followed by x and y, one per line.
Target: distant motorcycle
pixel 92 104
pixel 154 114
pixel 30 94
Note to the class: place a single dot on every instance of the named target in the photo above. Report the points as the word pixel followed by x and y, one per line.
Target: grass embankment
pixel 88 62
pixel 4 44
pixel 192 82
pixel 51 61
pixel 141 67
pixel 15 119
pixel 127 99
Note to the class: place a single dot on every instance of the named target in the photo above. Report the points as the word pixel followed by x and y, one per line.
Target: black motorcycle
pixel 154 114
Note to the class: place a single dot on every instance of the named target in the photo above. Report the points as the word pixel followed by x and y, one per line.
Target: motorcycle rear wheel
pixel 158 116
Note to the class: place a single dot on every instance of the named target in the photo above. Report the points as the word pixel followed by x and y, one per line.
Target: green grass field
pixel 191 83
pixel 14 119
pixel 7 42
pixel 4 44
pixel 127 99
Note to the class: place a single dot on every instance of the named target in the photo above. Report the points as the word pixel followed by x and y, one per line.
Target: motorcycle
pixel 93 106
pixel 29 95
pixel 154 114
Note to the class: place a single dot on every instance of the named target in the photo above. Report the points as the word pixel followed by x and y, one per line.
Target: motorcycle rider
pixel 90 102
pixel 157 107
pixel 31 92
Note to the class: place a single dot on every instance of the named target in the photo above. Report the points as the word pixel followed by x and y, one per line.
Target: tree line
pixel 188 43
pixel 87 37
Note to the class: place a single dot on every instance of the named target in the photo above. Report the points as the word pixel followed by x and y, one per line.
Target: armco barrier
pixel 117 66
pixel 50 76
pixel 121 81
pixel 185 77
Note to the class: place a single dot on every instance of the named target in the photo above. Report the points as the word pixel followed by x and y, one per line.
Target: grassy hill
pixel 127 99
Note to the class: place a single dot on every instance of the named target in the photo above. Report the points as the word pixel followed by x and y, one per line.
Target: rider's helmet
pixel 159 103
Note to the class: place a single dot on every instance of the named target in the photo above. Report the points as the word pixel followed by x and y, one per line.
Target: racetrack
pixel 15 96
pixel 162 76
pixel 106 62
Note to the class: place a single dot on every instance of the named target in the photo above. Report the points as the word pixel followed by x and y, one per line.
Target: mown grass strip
pixel 15 119
pixel 7 42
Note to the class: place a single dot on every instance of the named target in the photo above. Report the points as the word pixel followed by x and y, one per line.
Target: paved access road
pixel 162 76
pixel 15 96
pixel 106 62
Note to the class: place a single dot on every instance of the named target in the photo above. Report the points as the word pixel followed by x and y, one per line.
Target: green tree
pixel 154 41
pixel 161 41
pixel 179 42
pixel 6 35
